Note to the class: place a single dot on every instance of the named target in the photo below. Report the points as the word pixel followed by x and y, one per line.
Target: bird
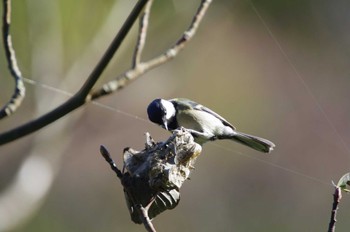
pixel 203 123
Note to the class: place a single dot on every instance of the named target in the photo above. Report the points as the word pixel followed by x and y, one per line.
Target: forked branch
pixel 79 98
pixel 138 68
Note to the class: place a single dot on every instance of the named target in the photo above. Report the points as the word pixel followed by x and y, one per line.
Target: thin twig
pixel 141 40
pixel 80 97
pixel 142 211
pixel 187 36
pixel 105 153
pixel 336 199
pixel 142 67
pixel 19 92
pixel 145 218
pixel 85 94
pixel 96 73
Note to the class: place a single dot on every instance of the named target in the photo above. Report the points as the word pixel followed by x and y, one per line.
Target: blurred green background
pixel 276 69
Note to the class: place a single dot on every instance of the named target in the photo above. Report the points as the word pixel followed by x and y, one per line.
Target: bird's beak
pixel 165 123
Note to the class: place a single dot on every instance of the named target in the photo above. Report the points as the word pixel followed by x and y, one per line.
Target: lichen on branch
pixel 152 178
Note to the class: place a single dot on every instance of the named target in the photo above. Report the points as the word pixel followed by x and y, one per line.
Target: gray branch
pixel 86 93
pixel 141 40
pixel 138 67
pixel 336 200
pixel 80 98
pixel 19 92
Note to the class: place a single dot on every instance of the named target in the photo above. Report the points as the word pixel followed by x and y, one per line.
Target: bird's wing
pixel 188 104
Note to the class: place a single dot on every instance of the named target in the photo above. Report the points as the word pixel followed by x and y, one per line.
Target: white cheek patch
pixel 170 109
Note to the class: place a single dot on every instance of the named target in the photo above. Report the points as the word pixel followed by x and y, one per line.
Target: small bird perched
pixel 203 123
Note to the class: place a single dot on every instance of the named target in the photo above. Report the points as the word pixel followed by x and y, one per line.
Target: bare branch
pixel 105 153
pixel 141 40
pixel 85 94
pixel 141 212
pixel 180 44
pixel 19 91
pixel 96 73
pixel 80 97
pixel 145 218
pixel 140 68
pixel 336 199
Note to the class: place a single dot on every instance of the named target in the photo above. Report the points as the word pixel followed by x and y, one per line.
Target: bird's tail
pixel 254 142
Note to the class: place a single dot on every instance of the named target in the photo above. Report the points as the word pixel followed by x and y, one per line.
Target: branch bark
pixel 138 67
pixel 19 92
pixel 81 96
pixel 141 40
pixel 336 200
pixel 86 93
